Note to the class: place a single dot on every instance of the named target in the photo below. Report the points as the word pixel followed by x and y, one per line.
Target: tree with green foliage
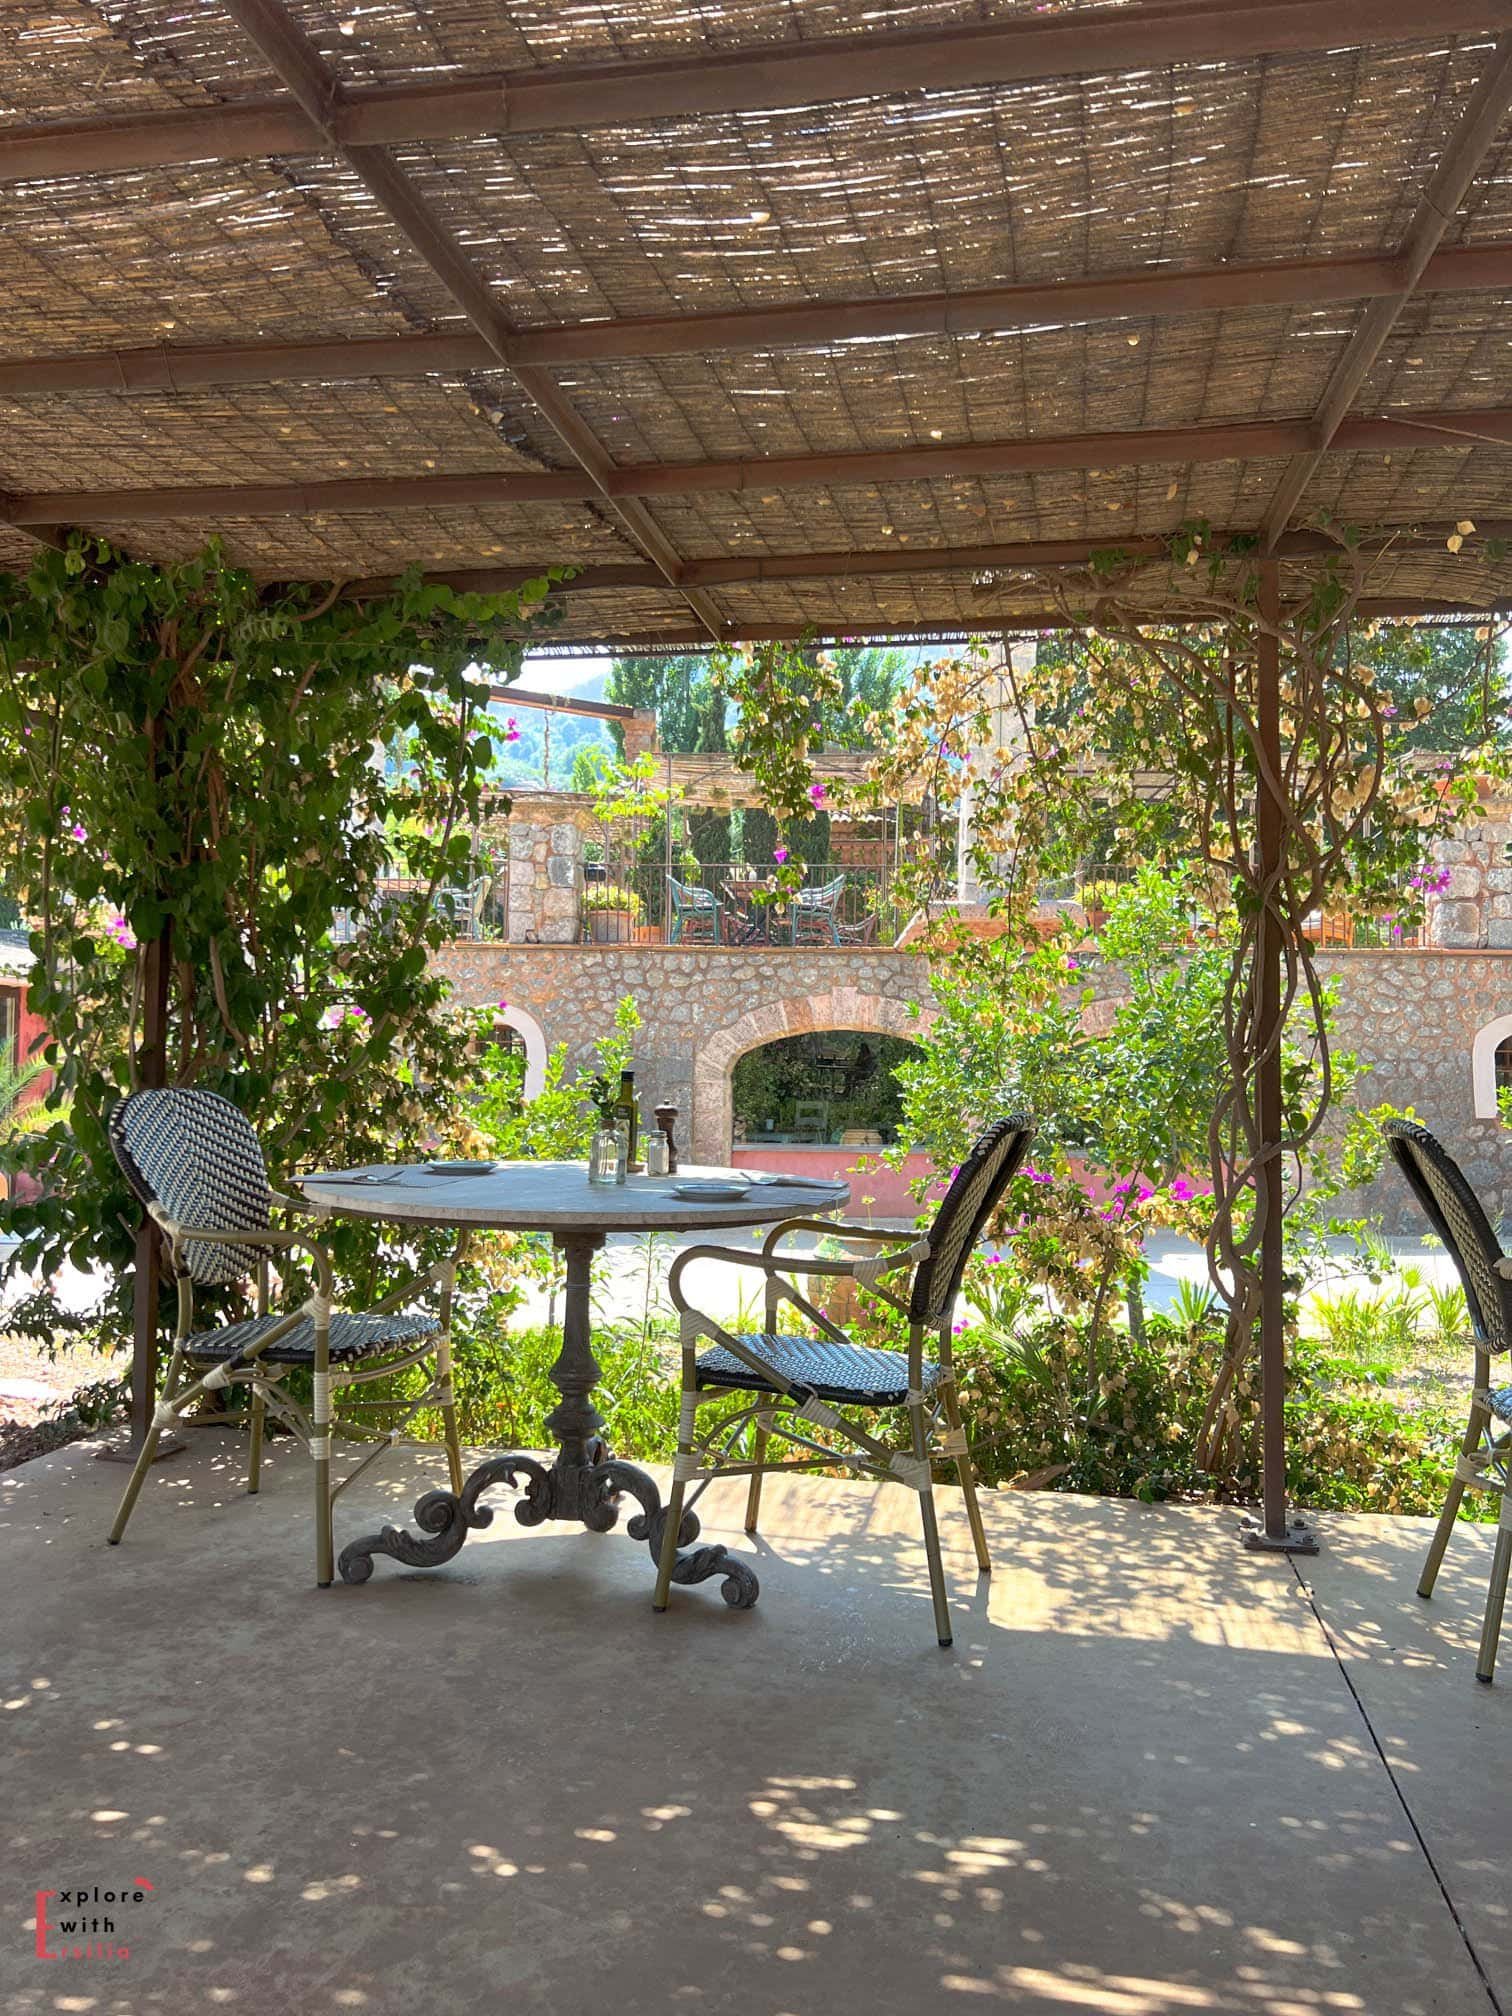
pixel 188 756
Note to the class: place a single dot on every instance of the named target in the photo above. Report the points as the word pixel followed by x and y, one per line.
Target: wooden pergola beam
pixel 572 97
pixel 1243 440
pixel 1111 297
pixel 318 90
pixel 995 558
pixel 1386 609
pixel 1472 140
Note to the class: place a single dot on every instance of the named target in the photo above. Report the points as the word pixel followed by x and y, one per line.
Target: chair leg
pixel 320 1450
pixel 1473 1433
pixel 667 1559
pixel 254 1457
pixel 449 1415
pixel 968 1482
pixel 931 1532
pixel 134 1484
pixel 1496 1597
pixel 753 1496
pixel 150 1442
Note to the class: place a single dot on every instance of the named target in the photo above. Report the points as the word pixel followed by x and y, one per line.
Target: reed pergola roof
pixel 783 315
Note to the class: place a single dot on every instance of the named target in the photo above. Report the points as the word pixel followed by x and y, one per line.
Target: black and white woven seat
pixel 352 1337
pixel 1484 1462
pixel 791 1387
pixel 850 1375
pixel 196 1167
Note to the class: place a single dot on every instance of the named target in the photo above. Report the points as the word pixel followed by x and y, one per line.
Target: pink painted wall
pixel 887 1188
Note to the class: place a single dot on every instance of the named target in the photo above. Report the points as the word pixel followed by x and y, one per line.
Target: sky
pixel 541 673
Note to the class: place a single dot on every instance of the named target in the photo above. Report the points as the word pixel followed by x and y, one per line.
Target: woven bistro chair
pixel 816 914
pixel 695 914
pixel 1485 1459
pixel 195 1165
pixel 797 1383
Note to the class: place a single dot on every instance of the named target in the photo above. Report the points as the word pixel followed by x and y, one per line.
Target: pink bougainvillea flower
pixel 1144 1191
pixel 816 793
pixel 503 1004
pixel 779 854
pixel 1183 1191
pixel 511 731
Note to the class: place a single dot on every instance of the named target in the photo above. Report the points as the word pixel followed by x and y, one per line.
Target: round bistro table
pixel 586 1481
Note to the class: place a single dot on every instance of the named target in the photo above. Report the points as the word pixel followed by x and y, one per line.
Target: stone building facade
pixel 1415 1017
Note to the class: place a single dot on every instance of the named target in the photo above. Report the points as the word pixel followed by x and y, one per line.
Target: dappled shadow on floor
pixel 1137 1785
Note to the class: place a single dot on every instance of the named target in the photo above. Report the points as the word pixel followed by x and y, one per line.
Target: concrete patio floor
pixel 1155 1776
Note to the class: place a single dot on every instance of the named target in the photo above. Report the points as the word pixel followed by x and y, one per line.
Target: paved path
pixel 1156 1776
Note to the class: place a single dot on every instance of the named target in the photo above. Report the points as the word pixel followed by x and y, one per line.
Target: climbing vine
pixel 279 785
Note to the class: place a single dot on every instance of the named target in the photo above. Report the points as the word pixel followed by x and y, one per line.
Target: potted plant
pixel 1097 898
pixel 610 911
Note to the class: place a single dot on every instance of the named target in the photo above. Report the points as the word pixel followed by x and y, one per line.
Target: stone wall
pixel 702 1007
pixel 1412 1015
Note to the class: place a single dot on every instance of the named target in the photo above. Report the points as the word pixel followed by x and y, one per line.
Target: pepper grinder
pixel 666 1119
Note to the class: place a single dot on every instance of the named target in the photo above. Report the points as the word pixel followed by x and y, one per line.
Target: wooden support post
pixel 1274 1532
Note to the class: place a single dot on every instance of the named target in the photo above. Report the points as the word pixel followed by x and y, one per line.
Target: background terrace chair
pixel 695 915
pixel 194 1162
pixel 792 1384
pixel 1485 1273
pixel 816 914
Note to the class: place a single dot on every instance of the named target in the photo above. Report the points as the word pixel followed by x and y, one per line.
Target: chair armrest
pixel 830 1225
pixel 268 1240
pixel 772 1265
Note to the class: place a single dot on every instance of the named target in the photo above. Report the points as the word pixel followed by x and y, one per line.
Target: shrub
pixel 611 896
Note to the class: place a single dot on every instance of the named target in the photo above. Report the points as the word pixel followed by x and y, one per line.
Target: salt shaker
pixel 658 1154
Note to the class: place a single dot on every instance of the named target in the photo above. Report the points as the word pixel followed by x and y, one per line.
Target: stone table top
pixel 552 1197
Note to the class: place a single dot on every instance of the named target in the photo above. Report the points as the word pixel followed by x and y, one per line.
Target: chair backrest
pixel 974 1190
pixel 195 1154
pixel 825 897
pixel 1454 1211
pixel 690 895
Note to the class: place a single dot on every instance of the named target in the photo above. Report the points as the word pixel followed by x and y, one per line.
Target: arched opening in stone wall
pixel 840 1009
pixel 1490 1066
pixel 830 1088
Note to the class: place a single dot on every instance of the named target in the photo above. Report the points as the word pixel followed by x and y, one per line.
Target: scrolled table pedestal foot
pixel 739 1585
pixel 449 1518
pixel 587 1494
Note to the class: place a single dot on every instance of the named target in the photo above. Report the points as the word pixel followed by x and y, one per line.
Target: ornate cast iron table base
pixel 589 1494
pixel 584 1484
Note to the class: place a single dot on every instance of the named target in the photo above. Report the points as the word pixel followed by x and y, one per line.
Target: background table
pixel 585 1482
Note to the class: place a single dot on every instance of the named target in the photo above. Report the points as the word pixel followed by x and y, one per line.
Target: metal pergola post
pixel 1273 1531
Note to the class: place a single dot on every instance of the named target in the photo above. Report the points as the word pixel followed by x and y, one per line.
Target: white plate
pixel 709 1190
pixel 461 1168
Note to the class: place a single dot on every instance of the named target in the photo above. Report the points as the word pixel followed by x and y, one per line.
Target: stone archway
pixel 716 1057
